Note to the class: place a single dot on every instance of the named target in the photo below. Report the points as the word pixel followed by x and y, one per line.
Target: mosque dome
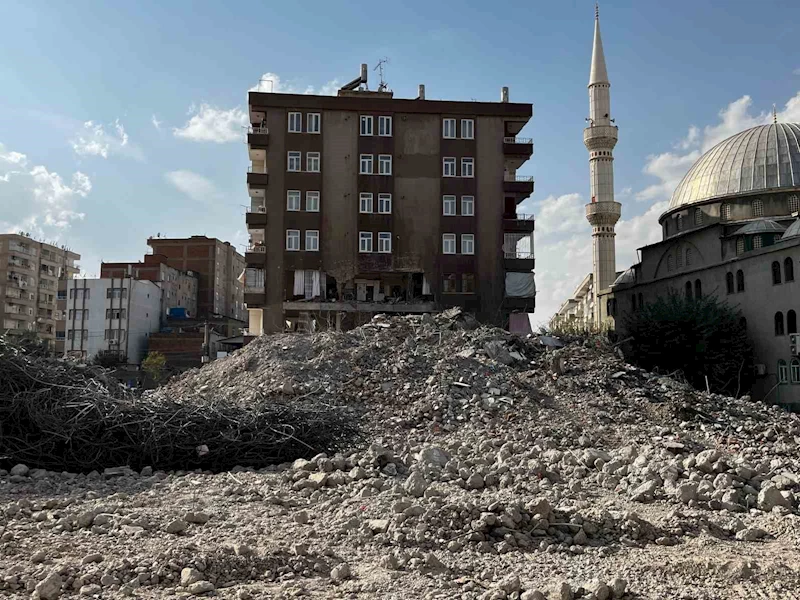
pixel 792 231
pixel 763 158
pixel 761 226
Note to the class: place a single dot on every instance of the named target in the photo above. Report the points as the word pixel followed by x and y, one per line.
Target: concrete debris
pixel 486 470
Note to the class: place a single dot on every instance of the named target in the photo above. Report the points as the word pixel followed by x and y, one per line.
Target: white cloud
pixel 94 140
pixel 272 82
pixel 156 123
pixel 796 71
pixel 559 215
pixel 211 124
pixel 56 197
pixel 194 185
pixel 691 139
pixel 14 158
pixel 669 168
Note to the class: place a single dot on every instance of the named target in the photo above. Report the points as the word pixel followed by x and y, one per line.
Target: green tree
pixel 700 337
pixel 155 365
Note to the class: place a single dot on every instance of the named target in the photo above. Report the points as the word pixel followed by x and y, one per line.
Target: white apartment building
pixel 111 314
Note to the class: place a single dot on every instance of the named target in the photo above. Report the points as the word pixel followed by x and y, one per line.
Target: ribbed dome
pixel 766 157
pixel 761 226
pixel 794 230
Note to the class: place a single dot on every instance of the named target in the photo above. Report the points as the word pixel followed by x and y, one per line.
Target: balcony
pixel 20 264
pixel 12 309
pixel 256 217
pixel 19 283
pixel 257 142
pixel 518 187
pixel 519 261
pixel 518 223
pixel 257 180
pixel 517 150
pixel 20 248
pixel 256 255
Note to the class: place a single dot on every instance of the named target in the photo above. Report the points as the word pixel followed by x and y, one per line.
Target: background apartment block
pixel 30 272
pixel 179 288
pixel 365 203
pixel 218 267
pixel 111 315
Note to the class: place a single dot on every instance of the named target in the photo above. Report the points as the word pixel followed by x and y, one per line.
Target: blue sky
pixel 121 120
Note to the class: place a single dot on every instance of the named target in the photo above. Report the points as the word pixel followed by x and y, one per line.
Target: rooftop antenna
pixel 383 86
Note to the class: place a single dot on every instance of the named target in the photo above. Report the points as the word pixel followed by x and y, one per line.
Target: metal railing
pixel 258 249
pixel 21 264
pixel 517 140
pixel 257 209
pixel 521 217
pixel 261 171
pixel 258 130
pixel 253 289
pixel 520 255
pixel 519 178
pixel 12 247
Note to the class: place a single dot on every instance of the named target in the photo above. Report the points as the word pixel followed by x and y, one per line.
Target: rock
pixel 434 456
pixel 318 479
pixel 686 492
pixel 378 525
pixel 300 549
pixel 415 485
pixel 242 550
pixel 750 534
pixel 618 587
pixel 432 562
pixel 86 518
pixel 147 472
pixel 389 562
pixel 92 558
pixel 19 470
pixel 563 592
pixel 301 464
pixel 340 573
pixel 177 526
pixel 90 590
pixel 510 584
pixel 532 595
pixel 301 517
pixel 201 587
pixel 198 518
pixel 475 482
pixel 580 539
pixel 645 491
pixel 496 350
pixel 600 590
pixel 50 587
pixel 287 388
pixel 190 576
pixel 705 460
pixel 38 556
pixel 770 497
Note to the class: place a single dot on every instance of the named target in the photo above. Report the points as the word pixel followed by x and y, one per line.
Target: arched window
pixel 725 212
pixel 739 280
pixel 783 372
pixel 698 289
pixel 788 269
pixel 794 204
pixel 758 242
pixel 679 252
pixel 743 323
pixel 758 208
pixel 791 322
pixel 679 222
pixel 795 370
pixel 688 257
pixel 740 245
pixel 776 272
pixel 670 263
pixel 688 290
pixel 608 307
pixel 729 282
pixel 641 301
pixel 698 216
pixel 779 323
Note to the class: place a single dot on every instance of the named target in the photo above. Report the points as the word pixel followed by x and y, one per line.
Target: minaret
pixel 600 137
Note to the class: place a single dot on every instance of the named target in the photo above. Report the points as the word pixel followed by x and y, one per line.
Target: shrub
pixel 155 365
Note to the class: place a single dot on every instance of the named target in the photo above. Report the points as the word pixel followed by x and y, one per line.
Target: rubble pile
pixel 492 467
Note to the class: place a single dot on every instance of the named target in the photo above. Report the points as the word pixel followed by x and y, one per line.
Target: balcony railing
pixel 260 170
pixel 258 130
pixel 258 249
pixel 12 309
pixel 519 178
pixel 12 247
pixel 257 209
pixel 20 264
pixel 21 283
pixel 517 140
pixel 519 255
pixel 522 217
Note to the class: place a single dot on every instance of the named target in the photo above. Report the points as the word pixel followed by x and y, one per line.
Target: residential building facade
pixel 364 203
pixel 114 314
pixel 30 273
pixel 218 267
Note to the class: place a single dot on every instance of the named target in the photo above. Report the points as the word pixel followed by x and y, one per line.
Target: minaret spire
pixel 602 212
pixel 774 114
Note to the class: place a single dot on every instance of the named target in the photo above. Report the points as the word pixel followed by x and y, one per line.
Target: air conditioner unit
pixel 761 370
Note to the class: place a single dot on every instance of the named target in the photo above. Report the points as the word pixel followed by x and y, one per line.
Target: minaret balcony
pixel 600 137
pixel 603 213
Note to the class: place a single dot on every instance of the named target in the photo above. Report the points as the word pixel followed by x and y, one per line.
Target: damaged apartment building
pixel 363 203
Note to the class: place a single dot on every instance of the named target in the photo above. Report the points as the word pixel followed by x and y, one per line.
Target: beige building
pixel 30 272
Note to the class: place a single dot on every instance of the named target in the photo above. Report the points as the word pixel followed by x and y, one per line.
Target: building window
pixel 365 241
pixel 467 243
pixel 698 216
pixel 384 164
pixel 740 245
pixel 791 322
pixel 467 129
pixel 783 372
pixel 385 242
pixel 312 201
pixel 739 280
pixel 385 204
pixel 114 313
pixel 115 335
pixel 758 208
pixel 449 284
pixel 468 283
pixel 670 263
pixel 448 128
pixel 293 200
pixel 679 222
pixel 779 323
pixel 385 126
pixel 449 243
pixel 448 206
pixel 688 288
pixel 312 162
pixel 293 240
pixel 794 204
pixel 295 122
pixel 449 169
pixel 729 282
pixel 725 212
pixel 294 162
pixel 679 254
pixel 468 206
pixel 698 289
pixel 795 366
pixel 688 257
pixel 776 272
pixel 366 125
pixel 312 240
pixel 365 202
pixel 468 167
pixel 758 242
pixel 313 123
pixel 365 164
pixel 788 269
pixel 116 293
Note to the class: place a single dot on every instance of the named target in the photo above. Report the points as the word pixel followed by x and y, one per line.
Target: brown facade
pixel 415 272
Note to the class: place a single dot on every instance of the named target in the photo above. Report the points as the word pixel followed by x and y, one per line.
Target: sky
pixel 120 121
